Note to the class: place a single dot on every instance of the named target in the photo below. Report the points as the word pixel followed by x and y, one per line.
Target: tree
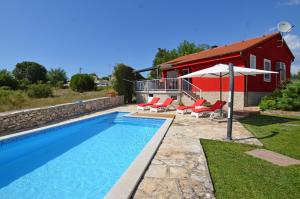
pixel 163 55
pixel 123 77
pixel 30 71
pixel 7 79
pixel 82 82
pixel 57 76
pixel 186 48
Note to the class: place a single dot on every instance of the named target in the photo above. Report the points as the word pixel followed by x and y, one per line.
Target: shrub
pixel 267 102
pixel 82 82
pixel 288 98
pixel 7 79
pixel 39 91
pixel 10 99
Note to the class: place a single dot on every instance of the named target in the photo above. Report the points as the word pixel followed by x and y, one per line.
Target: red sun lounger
pixel 218 105
pixel 183 109
pixel 147 105
pixel 164 106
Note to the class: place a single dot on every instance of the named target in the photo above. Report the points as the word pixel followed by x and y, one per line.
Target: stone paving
pixel 273 157
pixel 179 168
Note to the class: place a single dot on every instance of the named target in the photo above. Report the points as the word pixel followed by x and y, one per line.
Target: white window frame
pixel 266 75
pixel 282 70
pixel 252 61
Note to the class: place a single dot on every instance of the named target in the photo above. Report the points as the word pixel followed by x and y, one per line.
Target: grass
pixel 238 175
pixel 277 133
pixel 22 101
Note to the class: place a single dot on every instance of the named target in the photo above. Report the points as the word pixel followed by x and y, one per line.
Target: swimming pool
pixel 83 159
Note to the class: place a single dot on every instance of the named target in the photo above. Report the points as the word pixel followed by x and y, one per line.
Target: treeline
pixel 27 73
pixel 184 48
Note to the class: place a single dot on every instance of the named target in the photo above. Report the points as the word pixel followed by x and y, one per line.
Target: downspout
pixel 246 83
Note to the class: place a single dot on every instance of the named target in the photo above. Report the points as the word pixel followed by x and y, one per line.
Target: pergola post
pixel 230 102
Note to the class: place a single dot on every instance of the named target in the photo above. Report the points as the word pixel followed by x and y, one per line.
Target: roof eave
pixel 207 58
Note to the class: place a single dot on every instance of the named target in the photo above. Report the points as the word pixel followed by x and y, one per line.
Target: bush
pixel 267 102
pixel 39 91
pixel 287 98
pixel 7 79
pixel 10 99
pixel 82 82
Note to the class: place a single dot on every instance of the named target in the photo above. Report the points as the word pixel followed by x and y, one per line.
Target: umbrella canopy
pixel 222 70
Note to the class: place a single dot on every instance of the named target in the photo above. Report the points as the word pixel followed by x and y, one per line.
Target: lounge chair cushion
pixel 198 102
pixel 153 101
pixel 166 103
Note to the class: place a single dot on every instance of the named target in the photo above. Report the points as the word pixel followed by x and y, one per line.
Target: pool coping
pixel 127 183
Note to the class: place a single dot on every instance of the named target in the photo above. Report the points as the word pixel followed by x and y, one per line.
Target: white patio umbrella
pixel 224 70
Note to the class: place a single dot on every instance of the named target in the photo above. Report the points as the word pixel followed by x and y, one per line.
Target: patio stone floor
pixel 179 168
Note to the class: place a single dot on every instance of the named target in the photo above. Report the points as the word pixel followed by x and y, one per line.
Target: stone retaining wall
pixel 11 122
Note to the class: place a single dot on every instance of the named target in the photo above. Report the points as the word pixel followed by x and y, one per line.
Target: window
pixel 252 61
pixel 267 66
pixel 282 72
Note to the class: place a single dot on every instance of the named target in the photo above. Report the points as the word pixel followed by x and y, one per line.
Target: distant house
pixel 268 52
pixel 103 83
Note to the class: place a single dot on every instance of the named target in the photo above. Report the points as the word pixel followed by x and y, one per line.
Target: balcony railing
pixel 169 84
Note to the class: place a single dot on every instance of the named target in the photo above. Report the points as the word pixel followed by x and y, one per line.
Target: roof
pixel 223 50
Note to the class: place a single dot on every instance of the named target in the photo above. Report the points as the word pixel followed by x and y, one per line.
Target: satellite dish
pixel 284 26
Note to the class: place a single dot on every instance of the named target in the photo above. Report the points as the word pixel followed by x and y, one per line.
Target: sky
pixel 97 34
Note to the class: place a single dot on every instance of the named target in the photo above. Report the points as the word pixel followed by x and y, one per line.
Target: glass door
pixel 186 86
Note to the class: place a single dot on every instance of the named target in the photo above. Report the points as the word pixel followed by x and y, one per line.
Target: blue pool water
pixel 78 160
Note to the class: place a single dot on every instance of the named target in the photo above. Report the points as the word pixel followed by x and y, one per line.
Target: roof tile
pixel 222 50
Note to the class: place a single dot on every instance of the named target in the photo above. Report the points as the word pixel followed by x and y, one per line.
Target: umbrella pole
pixel 220 87
pixel 230 103
pixel 220 78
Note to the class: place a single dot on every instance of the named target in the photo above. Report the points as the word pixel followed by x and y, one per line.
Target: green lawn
pixel 277 133
pixel 238 175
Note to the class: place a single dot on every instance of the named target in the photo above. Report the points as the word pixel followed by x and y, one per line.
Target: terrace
pixel 173 85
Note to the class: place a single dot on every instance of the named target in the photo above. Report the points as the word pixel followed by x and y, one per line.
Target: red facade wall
pixel 213 84
pixel 272 50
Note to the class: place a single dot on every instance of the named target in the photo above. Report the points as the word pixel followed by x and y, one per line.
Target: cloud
pixel 289 3
pixel 293 41
pixel 293 3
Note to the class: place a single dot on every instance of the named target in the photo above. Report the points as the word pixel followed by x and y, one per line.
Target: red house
pixel 268 52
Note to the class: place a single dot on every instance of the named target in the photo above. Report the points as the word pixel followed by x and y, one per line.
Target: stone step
pixel 273 157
